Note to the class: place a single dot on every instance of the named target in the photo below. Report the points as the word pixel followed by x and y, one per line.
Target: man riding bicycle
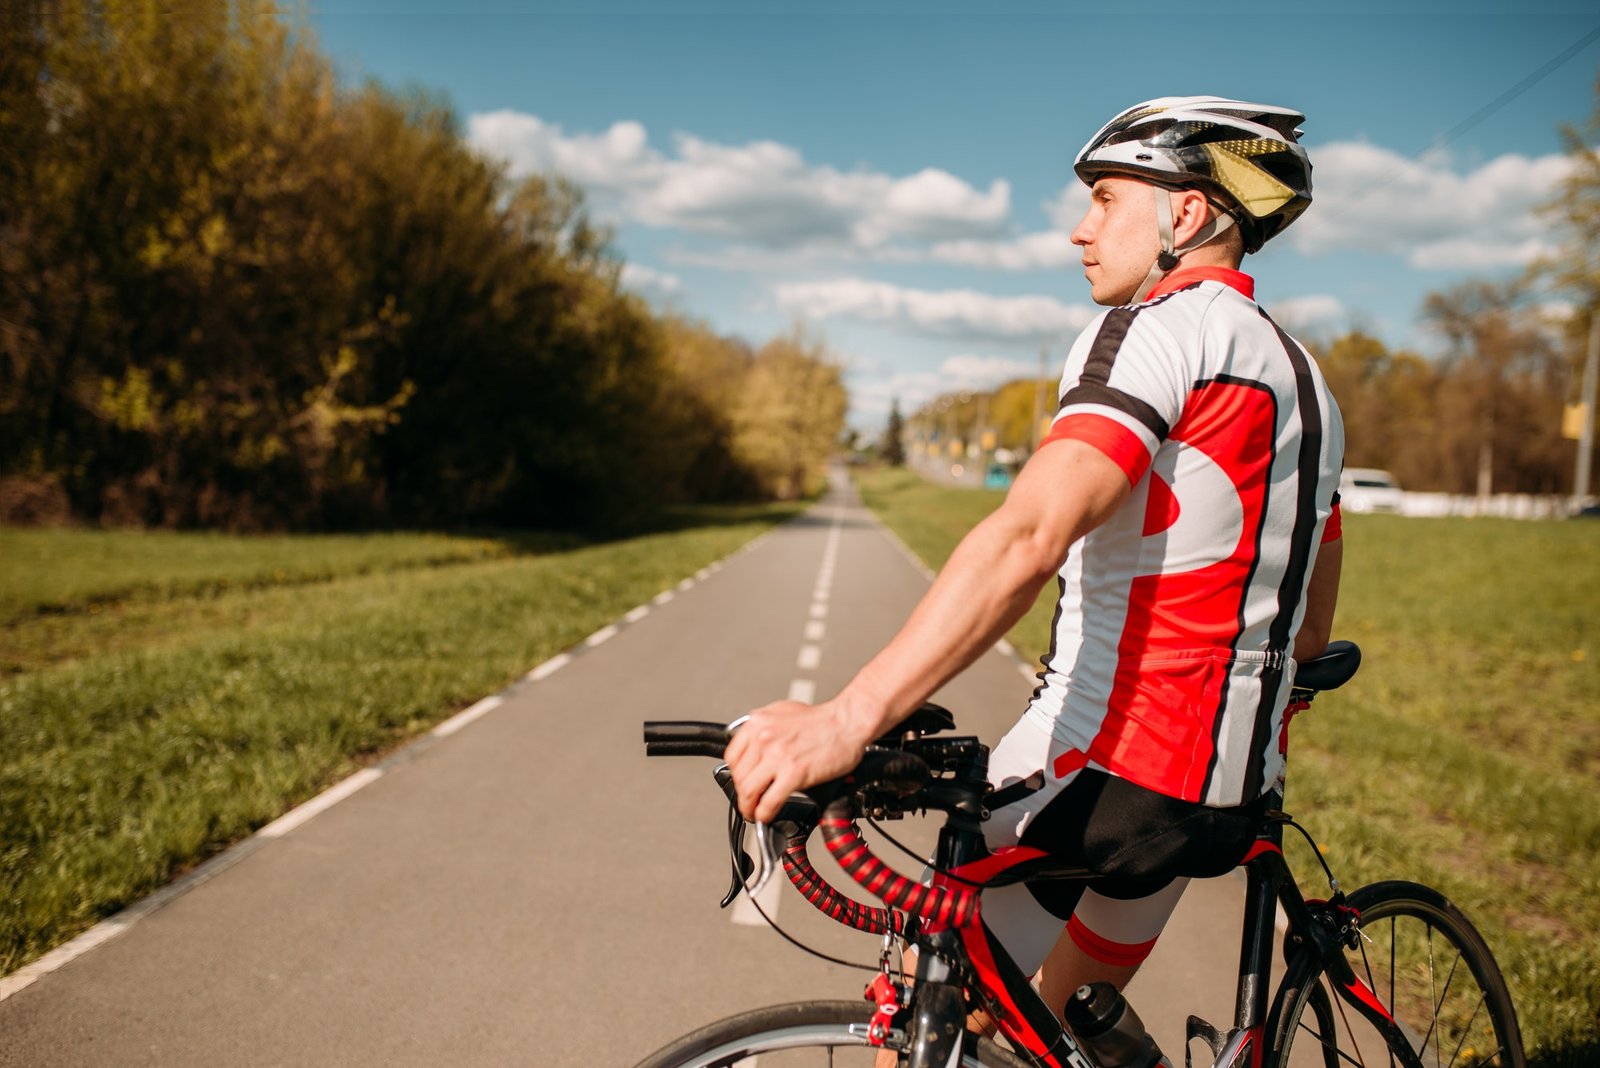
pixel 1185 499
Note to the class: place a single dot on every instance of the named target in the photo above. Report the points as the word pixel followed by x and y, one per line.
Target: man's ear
pixel 1190 212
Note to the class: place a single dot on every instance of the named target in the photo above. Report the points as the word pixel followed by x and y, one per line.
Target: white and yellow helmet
pixel 1250 153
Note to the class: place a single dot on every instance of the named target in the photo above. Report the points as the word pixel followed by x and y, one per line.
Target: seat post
pixel 1262 873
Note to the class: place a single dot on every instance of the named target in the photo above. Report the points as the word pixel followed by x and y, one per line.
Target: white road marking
pixel 549 667
pixel 810 656
pixel 819 611
pixel 803 690
pixel 466 716
pixel 745 914
pixel 321 803
pixel 601 636
pixel 113 926
pixel 815 630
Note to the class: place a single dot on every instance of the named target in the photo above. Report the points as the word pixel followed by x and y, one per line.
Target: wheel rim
pixel 1432 975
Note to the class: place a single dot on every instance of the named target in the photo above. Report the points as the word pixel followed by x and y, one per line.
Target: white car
pixel 1367 489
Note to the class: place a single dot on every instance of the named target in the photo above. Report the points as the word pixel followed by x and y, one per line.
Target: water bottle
pixel 1108 1029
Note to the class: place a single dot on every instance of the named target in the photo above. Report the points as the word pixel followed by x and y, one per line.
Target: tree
pixel 1500 391
pixel 790 414
pixel 893 445
pixel 1575 267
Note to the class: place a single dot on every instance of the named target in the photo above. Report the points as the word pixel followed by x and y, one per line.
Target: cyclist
pixel 1185 499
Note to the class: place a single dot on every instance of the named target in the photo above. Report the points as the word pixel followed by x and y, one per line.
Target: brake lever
pixel 738 859
pixel 767 840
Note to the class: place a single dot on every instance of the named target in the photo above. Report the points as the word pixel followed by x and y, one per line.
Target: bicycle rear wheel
pixel 805 1034
pixel 1430 970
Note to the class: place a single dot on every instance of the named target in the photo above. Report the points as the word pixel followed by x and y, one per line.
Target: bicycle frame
pixel 1030 1025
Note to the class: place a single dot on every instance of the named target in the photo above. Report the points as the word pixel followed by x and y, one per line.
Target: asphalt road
pixel 531 889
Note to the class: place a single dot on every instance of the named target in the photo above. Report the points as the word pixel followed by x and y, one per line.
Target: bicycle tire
pixel 1429 968
pixel 781 1035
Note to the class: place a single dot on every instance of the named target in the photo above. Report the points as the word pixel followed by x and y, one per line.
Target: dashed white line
pixel 810 656
pixel 663 597
pixel 815 629
pixel 466 716
pixel 803 690
pixel 601 636
pixel 637 614
pixel 819 611
pixel 321 803
pixel 550 667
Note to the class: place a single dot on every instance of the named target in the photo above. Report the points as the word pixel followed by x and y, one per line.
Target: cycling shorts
pixel 1142 847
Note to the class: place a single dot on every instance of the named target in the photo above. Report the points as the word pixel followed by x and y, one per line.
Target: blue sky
pixel 898 176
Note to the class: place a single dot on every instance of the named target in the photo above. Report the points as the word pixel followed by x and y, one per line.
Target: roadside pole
pixel 1580 487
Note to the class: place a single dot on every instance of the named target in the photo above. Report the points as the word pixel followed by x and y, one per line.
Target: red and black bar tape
pixel 943 905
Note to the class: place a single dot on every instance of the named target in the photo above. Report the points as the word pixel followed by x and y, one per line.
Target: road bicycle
pixel 1391 973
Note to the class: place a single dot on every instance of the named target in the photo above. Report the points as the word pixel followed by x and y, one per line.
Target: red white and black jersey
pixel 1169 664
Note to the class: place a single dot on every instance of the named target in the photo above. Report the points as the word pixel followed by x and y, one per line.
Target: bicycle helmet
pixel 1245 157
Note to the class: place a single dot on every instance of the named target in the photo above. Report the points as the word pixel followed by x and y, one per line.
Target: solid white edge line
pixel 115 925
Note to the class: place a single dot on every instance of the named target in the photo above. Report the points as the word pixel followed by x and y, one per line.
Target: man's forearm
pixel 988 584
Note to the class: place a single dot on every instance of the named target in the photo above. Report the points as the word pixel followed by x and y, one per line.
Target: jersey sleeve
pixel 1123 389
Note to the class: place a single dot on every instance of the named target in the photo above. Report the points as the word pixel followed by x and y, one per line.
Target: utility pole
pixel 1591 365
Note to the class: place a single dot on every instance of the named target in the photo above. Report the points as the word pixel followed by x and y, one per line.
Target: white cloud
pixel 1049 249
pixel 959 312
pixel 762 192
pixel 1308 310
pixel 913 389
pixel 650 281
pixel 1375 200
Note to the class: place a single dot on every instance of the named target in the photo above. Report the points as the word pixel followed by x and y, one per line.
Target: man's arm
pixel 1322 594
pixel 1066 490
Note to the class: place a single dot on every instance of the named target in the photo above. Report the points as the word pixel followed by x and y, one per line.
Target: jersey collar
pixel 1188 276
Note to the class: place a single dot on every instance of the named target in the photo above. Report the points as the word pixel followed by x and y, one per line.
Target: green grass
pixel 157 712
pixel 61 571
pixel 1466 753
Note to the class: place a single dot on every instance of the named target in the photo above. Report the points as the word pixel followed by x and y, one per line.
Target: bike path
pixel 531 889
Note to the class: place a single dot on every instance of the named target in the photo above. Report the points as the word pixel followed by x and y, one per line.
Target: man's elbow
pixel 1311 642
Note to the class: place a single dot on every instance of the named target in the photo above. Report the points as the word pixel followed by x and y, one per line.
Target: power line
pixel 1511 94
pixel 1475 118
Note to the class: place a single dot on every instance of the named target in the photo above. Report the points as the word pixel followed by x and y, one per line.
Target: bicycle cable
pixel 924 861
pixel 1333 882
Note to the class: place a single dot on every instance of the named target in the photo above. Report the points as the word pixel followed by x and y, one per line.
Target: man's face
pixel 1119 238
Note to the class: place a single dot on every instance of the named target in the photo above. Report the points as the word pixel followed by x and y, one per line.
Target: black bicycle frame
pixel 1033 1028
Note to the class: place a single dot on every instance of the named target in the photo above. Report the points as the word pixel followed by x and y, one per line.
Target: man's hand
pixel 787 746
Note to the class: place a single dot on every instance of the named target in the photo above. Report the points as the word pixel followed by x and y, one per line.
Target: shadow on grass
pixel 1583 1052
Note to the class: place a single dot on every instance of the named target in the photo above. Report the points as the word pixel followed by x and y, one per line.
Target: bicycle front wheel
pixel 1430 970
pixel 805 1034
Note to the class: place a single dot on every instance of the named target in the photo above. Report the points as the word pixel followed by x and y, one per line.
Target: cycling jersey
pixel 1169 661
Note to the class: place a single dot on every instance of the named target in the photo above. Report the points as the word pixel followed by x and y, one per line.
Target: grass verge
pixel 147 748
pixel 1465 755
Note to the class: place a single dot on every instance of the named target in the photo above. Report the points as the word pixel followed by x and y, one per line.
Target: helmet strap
pixel 1170 257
